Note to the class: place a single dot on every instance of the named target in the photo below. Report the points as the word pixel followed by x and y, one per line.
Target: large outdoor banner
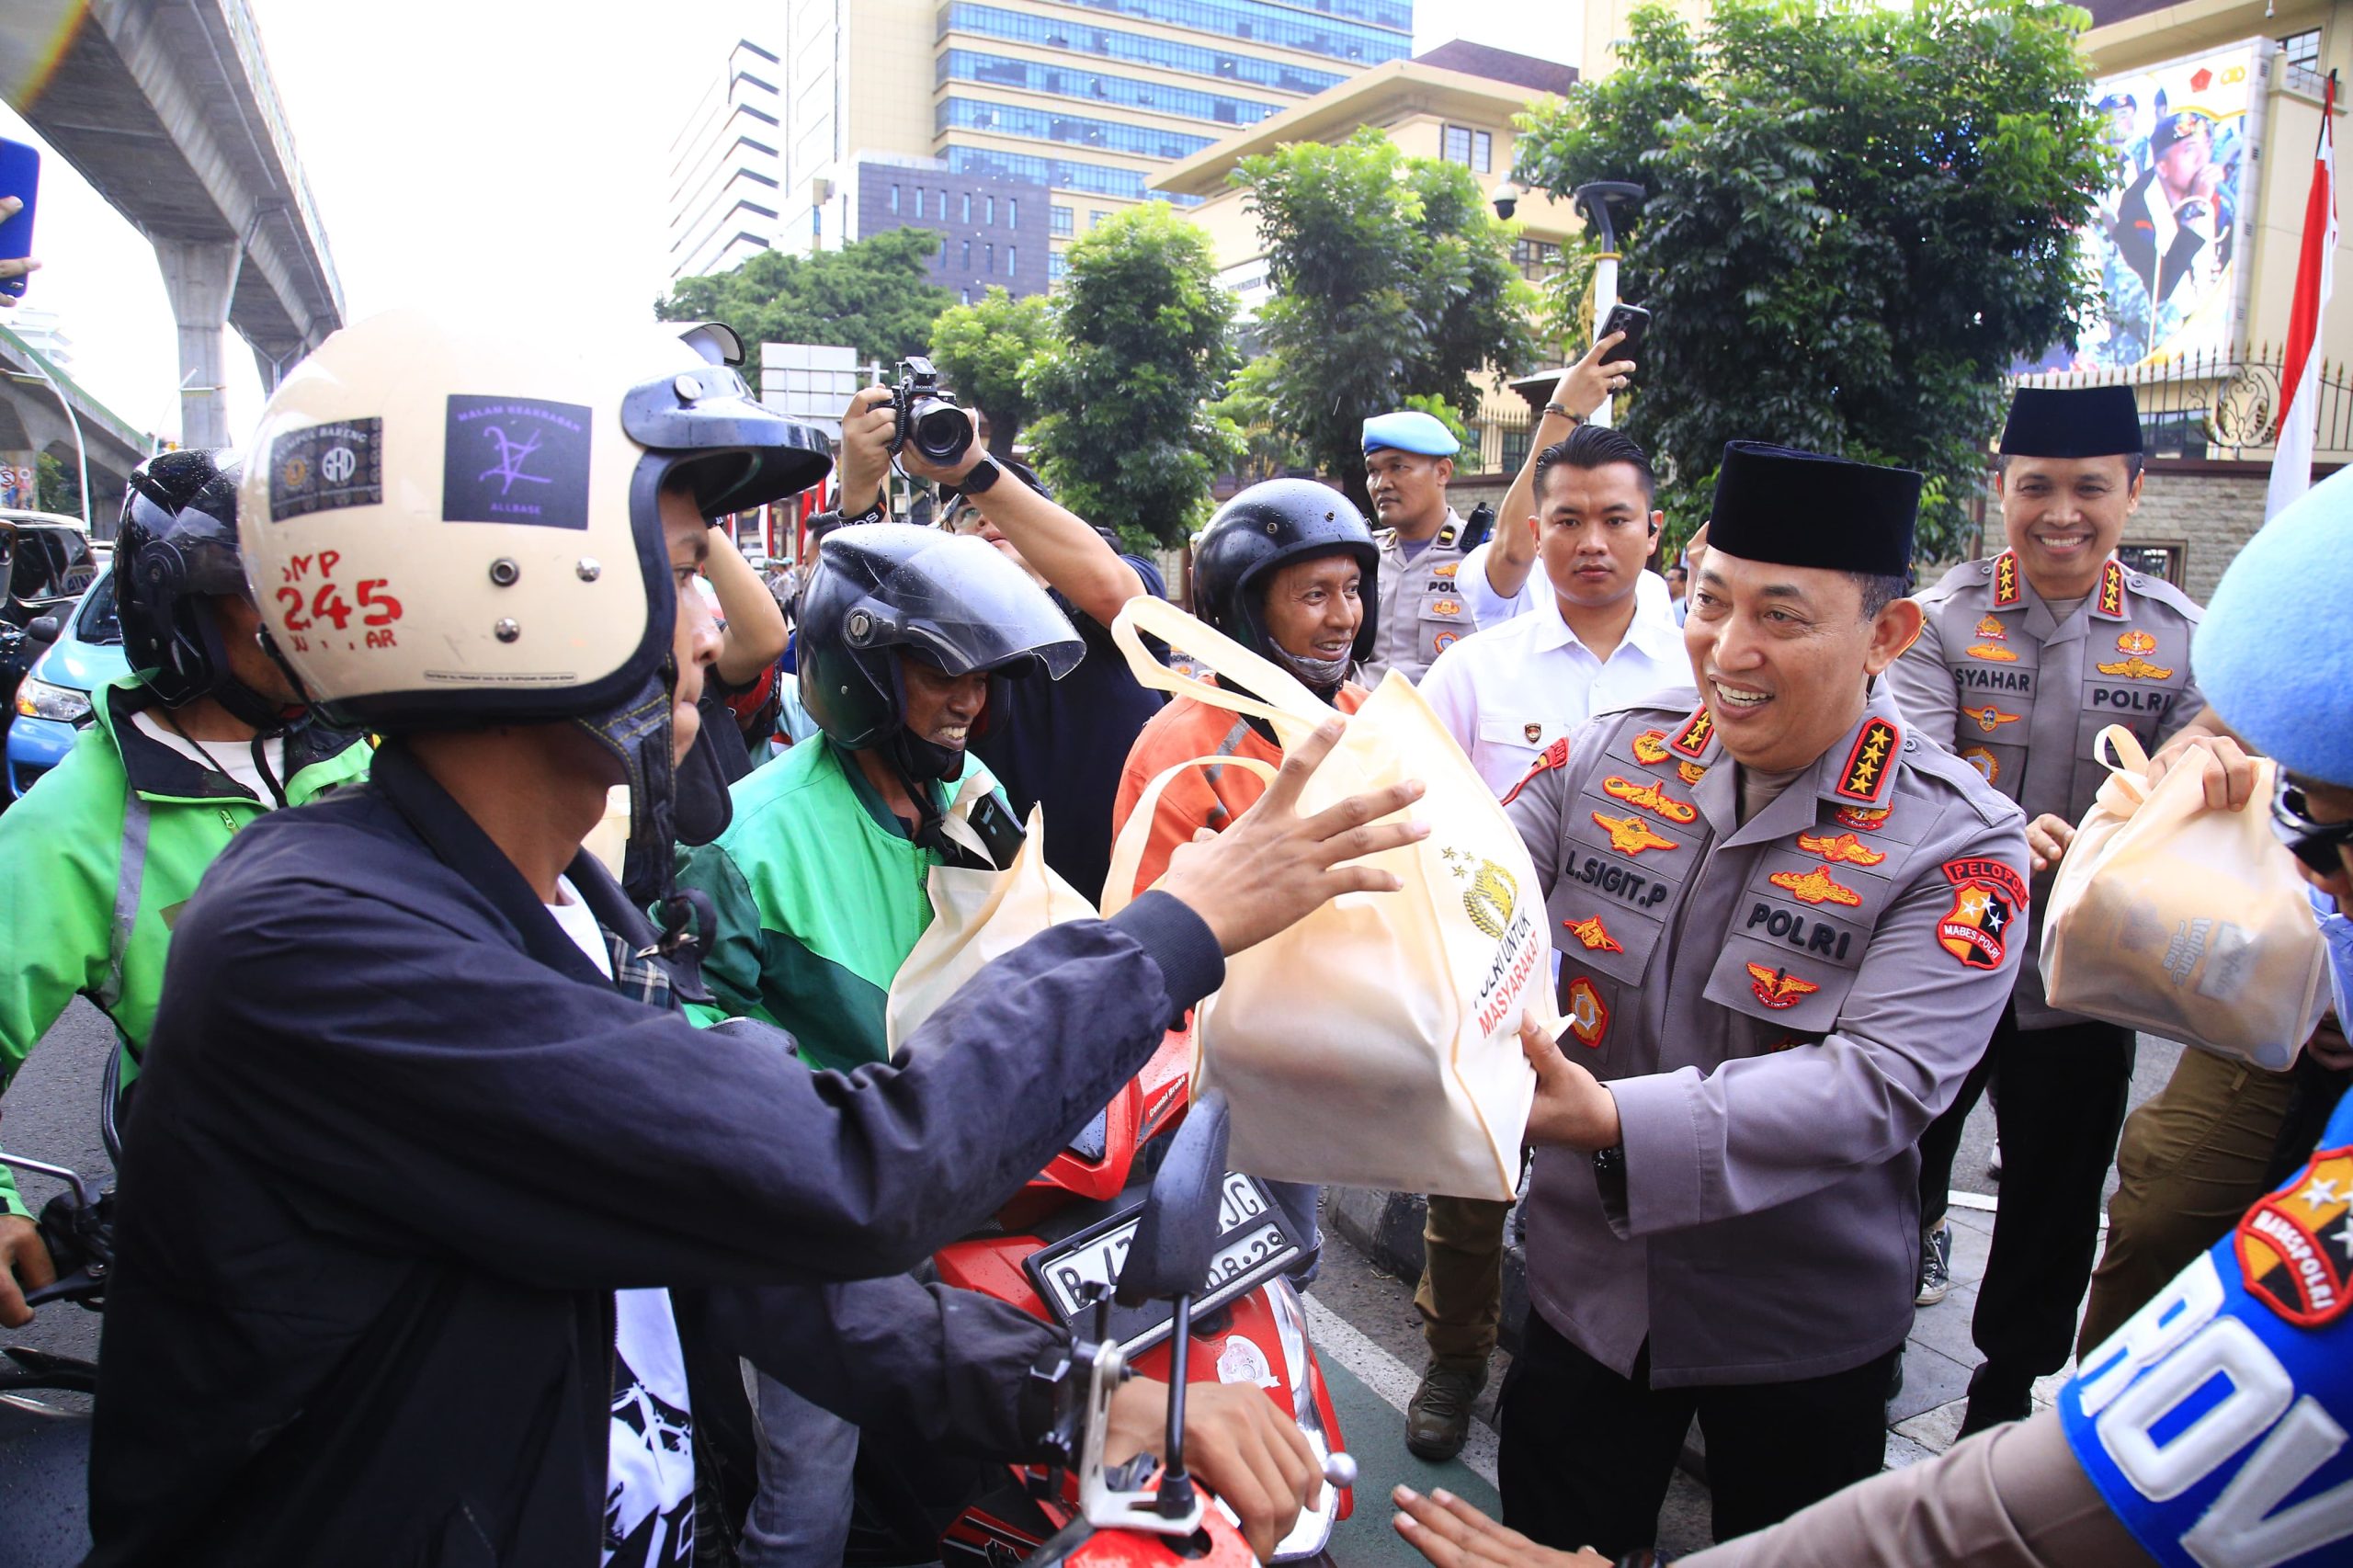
pixel 2164 248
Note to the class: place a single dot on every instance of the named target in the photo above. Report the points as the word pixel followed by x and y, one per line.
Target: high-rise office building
pixel 727 168
pixel 1065 108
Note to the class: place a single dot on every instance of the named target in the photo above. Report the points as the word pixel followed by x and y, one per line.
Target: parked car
pixel 54 702
pixel 46 563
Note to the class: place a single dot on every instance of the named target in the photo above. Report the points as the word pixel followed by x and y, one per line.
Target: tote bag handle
pixel 1120 882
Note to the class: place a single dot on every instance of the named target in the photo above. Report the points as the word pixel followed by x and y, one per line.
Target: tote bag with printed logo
pixel 1376 1043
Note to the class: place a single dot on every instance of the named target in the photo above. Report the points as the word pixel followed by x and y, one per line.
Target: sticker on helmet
pixel 516 460
pixel 321 468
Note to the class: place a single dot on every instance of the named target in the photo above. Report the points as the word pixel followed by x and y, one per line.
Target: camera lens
pixel 939 430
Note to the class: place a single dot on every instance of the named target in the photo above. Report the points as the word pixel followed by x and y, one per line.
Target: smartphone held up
pixel 20 178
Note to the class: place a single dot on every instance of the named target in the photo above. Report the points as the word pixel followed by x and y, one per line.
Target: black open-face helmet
pixel 952 601
pixel 174 554
pixel 1266 527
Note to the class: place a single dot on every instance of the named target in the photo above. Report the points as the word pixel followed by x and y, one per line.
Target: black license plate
pixel 1254 1244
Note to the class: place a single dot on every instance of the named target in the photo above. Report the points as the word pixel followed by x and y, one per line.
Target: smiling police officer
pixel 2021 662
pixel 1782 920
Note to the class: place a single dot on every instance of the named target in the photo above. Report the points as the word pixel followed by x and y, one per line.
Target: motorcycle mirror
pixel 44 629
pixel 1176 1239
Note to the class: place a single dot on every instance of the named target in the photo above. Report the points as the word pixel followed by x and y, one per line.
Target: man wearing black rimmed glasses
pixel 2023 659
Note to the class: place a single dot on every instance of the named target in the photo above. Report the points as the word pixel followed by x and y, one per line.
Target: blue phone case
pixel 19 176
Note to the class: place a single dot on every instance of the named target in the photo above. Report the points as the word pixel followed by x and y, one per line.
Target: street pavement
pixel 1367 1332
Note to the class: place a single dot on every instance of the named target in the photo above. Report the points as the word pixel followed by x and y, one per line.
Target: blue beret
pixel 1410 430
pixel 2272 654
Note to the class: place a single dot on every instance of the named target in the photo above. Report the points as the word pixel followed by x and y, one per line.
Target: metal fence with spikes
pixel 2221 405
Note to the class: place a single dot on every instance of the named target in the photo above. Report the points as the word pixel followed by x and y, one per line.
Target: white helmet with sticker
pixel 447 525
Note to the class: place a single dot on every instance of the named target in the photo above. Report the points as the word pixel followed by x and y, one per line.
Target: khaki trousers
pixel 1462 1293
pixel 2192 1159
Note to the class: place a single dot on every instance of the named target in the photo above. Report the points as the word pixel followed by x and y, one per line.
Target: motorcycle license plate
pixel 1254 1245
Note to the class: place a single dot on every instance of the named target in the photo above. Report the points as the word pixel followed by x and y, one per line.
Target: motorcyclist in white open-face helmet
pixel 418 1101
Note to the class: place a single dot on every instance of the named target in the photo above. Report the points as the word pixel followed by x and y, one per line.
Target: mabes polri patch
pixel 322 467
pixel 516 460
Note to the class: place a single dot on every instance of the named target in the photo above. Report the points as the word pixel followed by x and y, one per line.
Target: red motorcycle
pixel 1164 1262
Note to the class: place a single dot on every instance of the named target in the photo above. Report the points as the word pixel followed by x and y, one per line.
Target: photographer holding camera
pixel 1057 743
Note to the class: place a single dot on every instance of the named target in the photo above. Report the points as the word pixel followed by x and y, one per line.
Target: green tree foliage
pixel 1392 281
pixel 1128 436
pixel 982 349
pixel 1859 217
pixel 870 294
pixel 56 487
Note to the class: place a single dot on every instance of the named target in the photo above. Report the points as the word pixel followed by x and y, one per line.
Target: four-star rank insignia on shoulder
pixel 2295 1248
pixel 1778 988
pixel 1986 896
pixel 1864 776
pixel 1845 849
pixel 1592 934
pixel 1650 747
pixel 1555 755
pixel 1652 799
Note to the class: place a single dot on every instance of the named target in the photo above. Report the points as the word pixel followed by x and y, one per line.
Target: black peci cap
pixel 2072 422
pixel 1794 508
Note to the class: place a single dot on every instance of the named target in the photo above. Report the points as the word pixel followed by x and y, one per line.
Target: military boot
pixel 1439 1418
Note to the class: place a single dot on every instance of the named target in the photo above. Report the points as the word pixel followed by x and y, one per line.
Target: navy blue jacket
pixel 398 1140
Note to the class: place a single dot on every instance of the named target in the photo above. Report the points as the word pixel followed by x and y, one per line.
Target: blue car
pixel 53 701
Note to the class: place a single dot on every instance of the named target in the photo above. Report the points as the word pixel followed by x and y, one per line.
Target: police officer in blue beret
pixel 1418 609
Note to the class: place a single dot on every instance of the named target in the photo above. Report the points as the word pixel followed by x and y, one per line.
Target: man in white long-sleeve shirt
pixel 1590 642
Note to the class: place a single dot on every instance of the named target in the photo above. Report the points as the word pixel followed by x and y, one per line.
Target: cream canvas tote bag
pixel 1376 1043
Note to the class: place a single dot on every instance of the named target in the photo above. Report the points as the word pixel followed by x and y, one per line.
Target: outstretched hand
pixel 1273 866
pixel 1453 1534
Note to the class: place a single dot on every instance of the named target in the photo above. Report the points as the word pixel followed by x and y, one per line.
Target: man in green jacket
pixel 203 736
pixel 820 883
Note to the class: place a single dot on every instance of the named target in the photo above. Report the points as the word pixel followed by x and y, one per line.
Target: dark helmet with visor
pixel 952 601
pixel 177 550
pixel 1270 526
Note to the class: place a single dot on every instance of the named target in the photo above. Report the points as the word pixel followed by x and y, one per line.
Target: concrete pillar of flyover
pixel 200 276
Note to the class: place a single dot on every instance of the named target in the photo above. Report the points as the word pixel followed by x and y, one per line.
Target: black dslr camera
pixel 926 415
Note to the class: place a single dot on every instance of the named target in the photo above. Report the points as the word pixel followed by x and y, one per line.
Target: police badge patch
pixel 1587 1015
pixel 2295 1248
pixel 1986 896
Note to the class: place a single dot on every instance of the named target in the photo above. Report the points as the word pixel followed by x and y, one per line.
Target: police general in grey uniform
pixel 1785 922
pixel 1418 609
pixel 2021 662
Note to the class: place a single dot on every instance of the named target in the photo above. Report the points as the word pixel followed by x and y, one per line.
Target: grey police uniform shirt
pixel 1780 1009
pixel 1419 606
pixel 2000 681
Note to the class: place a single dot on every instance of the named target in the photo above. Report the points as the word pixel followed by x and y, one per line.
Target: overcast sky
pixel 477 151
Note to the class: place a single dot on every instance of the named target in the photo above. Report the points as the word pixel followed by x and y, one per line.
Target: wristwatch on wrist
pixel 980 478
pixel 1609 1162
pixel 1574 417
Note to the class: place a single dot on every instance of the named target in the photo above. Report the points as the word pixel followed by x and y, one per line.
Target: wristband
pixel 877 513
pixel 1574 419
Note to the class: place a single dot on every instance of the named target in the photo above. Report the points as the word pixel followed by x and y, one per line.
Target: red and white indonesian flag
pixel 2291 462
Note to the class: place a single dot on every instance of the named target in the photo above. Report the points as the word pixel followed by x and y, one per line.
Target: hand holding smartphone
pixel 1632 320
pixel 20 182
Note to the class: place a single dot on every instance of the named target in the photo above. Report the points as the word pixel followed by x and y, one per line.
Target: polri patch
pixel 2295 1248
pixel 324 468
pixel 510 460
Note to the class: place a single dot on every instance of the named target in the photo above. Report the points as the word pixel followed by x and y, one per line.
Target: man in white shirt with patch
pixel 1590 643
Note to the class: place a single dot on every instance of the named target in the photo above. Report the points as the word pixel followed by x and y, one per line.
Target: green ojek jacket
pixel 820 896
pixel 98 857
